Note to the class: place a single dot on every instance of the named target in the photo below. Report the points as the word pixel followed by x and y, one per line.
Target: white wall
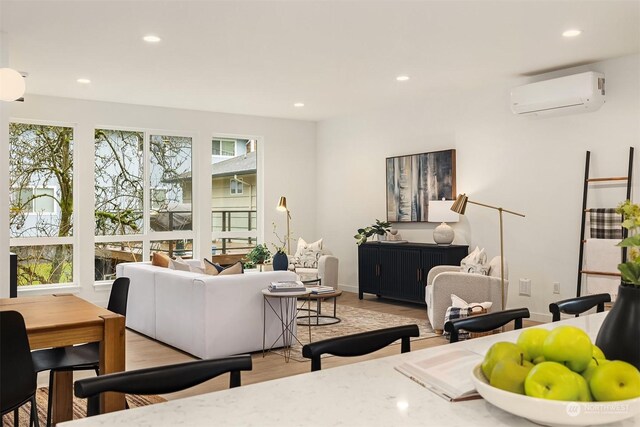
pixel 287 152
pixel 533 166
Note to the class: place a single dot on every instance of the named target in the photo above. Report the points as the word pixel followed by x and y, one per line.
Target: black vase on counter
pixel 619 335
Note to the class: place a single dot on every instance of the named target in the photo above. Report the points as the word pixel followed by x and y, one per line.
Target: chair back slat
pixel 119 295
pixel 486 322
pixel 359 344
pixel 578 305
pixel 161 379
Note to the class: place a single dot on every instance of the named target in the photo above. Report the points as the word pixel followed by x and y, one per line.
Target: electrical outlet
pixel 525 287
pixel 556 287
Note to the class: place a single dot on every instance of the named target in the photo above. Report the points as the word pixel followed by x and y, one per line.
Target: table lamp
pixel 440 211
pixel 460 205
pixel 282 206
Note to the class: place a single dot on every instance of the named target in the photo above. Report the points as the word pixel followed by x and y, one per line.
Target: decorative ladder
pixel 585 211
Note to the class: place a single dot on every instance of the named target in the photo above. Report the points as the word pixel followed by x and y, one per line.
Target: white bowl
pixel 555 412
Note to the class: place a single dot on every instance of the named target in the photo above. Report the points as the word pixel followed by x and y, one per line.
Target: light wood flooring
pixel 143 352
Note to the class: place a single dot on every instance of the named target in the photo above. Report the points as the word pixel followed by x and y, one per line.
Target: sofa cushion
pixel 179 264
pixel 160 260
pixel 234 269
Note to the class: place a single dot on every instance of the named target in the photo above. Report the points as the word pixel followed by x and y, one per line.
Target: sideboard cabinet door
pixel 399 271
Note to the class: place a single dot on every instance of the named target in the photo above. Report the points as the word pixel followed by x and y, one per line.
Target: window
pixel 143 183
pixel 234 204
pixel 224 147
pixel 235 186
pixel 42 205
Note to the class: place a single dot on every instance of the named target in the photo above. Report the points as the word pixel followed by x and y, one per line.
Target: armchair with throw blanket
pixel 445 280
pixel 312 260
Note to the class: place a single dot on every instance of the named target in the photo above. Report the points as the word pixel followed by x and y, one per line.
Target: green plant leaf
pixel 630 241
pixel 630 272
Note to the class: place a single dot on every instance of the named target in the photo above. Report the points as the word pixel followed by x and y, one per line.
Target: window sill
pixel 103 285
pixel 33 290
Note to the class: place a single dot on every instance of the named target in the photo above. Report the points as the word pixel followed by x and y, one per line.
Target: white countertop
pixel 370 393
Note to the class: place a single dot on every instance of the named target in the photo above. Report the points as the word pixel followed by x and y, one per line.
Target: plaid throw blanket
pixel 456 313
pixel 605 223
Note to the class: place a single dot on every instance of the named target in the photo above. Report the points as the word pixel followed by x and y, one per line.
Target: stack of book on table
pixel 290 286
pixel 316 290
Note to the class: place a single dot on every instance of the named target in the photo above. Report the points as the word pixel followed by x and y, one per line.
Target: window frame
pixel 147 236
pixel 72 240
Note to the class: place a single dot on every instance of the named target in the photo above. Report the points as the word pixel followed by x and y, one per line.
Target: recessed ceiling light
pixel 84 81
pixel 298 104
pixel 572 33
pixel 151 39
pixel 402 78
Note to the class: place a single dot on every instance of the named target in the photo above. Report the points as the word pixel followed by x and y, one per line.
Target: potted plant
pixel 258 255
pixel 280 258
pixel 620 332
pixel 380 228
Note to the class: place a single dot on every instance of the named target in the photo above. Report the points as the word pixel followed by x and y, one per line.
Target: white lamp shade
pixel 440 211
pixel 12 85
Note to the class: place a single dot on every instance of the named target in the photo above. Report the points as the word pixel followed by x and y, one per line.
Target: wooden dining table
pixel 64 320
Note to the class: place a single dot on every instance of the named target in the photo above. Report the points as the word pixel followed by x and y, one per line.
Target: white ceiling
pixel 337 57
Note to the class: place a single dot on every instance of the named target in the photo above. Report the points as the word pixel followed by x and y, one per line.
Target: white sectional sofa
pixel 206 316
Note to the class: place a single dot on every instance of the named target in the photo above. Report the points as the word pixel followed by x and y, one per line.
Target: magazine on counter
pixel 447 374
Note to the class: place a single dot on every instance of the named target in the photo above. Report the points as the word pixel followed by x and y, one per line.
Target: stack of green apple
pixel 561 364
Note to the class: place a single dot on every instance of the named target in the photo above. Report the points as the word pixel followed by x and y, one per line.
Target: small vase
pixel 619 335
pixel 280 261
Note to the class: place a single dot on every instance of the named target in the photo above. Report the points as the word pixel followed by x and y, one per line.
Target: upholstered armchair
pixel 444 280
pixel 326 269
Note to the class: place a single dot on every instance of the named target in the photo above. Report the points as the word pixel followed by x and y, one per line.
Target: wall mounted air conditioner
pixel 578 93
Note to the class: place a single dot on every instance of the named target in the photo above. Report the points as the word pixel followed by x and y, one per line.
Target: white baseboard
pixel 540 317
pixel 348 288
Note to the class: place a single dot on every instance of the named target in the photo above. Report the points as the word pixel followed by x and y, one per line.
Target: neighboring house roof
pixel 238 165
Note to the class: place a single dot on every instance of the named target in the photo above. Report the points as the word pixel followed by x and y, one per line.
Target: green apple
pixel 509 375
pixel 616 380
pixel 597 353
pixel 539 359
pixel 531 340
pixel 584 393
pixel 500 351
pixel 570 346
pixel 551 380
pixel 591 368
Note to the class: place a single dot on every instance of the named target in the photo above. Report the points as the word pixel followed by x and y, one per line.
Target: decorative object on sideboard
pixel 282 206
pixel 12 85
pixel 415 179
pixel 460 205
pixel 380 228
pixel 440 211
pixel 620 331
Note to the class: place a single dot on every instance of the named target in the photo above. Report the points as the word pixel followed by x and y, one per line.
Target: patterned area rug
pixel 353 321
pixel 79 407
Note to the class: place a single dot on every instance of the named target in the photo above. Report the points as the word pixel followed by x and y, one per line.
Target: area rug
pixel 79 407
pixel 353 321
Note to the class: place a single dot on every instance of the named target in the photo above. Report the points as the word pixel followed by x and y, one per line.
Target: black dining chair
pixel 486 322
pixel 80 357
pixel 578 305
pixel 18 379
pixel 359 344
pixel 160 379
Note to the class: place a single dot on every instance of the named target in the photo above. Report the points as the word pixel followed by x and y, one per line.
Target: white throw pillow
pixel 307 254
pixel 179 264
pixel 458 302
pixel 475 262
